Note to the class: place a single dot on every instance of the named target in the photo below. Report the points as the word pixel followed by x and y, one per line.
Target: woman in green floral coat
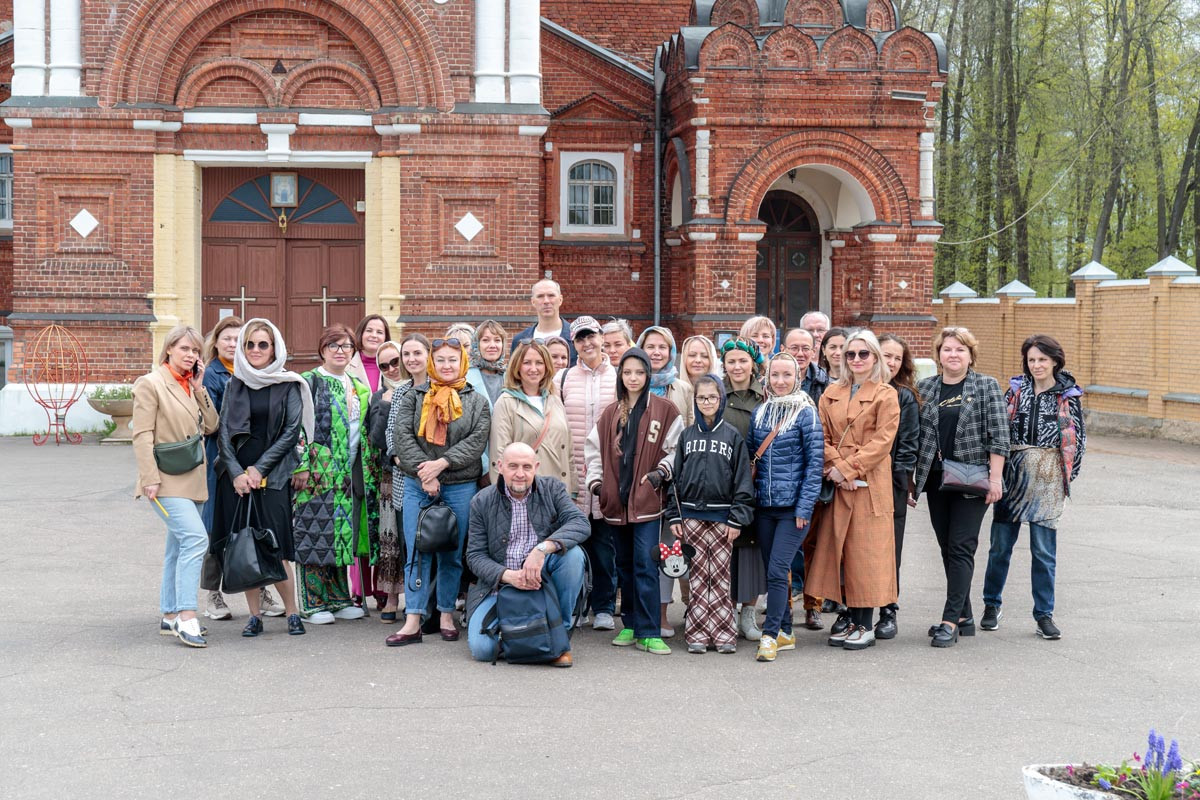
pixel 337 484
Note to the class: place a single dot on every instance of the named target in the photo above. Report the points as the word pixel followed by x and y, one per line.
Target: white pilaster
pixel 65 54
pixel 702 196
pixel 489 51
pixel 926 174
pixel 29 48
pixel 524 51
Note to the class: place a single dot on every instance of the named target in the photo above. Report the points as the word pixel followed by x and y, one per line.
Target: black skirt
pixel 272 507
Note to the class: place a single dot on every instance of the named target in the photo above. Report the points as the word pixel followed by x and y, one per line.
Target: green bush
pixel 123 391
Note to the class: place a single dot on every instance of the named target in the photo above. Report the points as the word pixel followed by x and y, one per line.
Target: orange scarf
pixel 228 364
pixel 442 404
pixel 184 381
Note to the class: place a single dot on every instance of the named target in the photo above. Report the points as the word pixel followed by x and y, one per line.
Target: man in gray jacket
pixel 522 532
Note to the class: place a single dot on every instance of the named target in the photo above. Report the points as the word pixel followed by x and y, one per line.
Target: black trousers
pixel 956 521
pixel 899 517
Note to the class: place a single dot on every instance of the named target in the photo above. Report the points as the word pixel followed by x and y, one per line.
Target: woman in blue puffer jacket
pixel 786 487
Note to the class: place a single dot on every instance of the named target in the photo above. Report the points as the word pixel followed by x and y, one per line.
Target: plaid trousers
pixel 710 619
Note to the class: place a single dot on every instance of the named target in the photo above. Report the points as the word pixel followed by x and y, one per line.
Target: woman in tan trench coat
pixel 526 407
pixel 855 557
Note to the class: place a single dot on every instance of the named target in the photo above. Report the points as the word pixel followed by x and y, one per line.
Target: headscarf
pixel 720 405
pixel 477 359
pixel 746 346
pixel 660 381
pixel 627 432
pixel 384 380
pixel 442 404
pixel 274 373
pixel 783 410
pixel 715 367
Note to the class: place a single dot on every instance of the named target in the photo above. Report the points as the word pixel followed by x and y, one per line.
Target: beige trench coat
pixel 163 412
pixel 515 420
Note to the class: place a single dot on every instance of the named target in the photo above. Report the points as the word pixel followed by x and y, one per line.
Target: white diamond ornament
pixel 725 284
pixel 468 227
pixel 903 284
pixel 84 223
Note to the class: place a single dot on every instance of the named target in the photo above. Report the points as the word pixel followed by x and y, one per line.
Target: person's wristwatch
pixel 545 547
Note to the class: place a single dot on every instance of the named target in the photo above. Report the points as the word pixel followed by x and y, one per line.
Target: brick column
pixel 1085 279
pixel 1010 348
pixel 1161 276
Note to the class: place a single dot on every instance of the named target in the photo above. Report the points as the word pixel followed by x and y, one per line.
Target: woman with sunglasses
pixel 336 484
pixel 265 410
pixel 854 557
pixel 440 435
pixel 742 361
pixel 388 565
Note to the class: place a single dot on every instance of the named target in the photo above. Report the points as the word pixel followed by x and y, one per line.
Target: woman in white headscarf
pixel 264 412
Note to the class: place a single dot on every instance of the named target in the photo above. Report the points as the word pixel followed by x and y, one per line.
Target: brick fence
pixel 1130 343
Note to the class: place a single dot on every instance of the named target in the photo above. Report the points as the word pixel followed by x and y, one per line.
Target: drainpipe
pixel 658 85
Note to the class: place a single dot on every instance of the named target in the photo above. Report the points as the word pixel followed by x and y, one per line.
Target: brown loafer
pixel 449 634
pixel 812 620
pixel 564 660
pixel 401 639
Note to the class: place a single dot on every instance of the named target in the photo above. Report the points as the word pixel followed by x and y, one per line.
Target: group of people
pixel 779 466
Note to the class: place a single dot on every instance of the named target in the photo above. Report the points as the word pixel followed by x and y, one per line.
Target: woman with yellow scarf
pixel 441 431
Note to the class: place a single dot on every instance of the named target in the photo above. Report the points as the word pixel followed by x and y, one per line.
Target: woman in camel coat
pixel 855 557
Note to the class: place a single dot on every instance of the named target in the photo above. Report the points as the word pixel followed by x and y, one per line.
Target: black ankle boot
pixel 886 627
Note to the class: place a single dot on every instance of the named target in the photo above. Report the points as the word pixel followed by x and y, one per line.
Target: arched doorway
pixel 789 256
pixel 302 273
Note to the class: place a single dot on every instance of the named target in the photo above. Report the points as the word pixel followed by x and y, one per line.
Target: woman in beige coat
pixel 170 404
pixel 855 557
pixel 525 408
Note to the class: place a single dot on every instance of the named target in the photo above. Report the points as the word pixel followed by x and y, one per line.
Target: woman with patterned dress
pixel 336 486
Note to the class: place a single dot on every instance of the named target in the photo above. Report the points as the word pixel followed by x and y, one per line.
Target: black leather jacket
pixel 904 448
pixel 282 455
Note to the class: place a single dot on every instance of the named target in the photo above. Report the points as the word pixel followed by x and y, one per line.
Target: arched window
pixel 591 194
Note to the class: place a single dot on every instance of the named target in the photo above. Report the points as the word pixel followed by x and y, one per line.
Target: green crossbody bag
pixel 180 458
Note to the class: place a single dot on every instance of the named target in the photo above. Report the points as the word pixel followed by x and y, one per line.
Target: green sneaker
pixel 624 638
pixel 654 645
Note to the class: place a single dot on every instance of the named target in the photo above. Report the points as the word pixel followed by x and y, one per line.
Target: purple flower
pixel 1071 770
pixel 1103 783
pixel 1174 761
pixel 1136 757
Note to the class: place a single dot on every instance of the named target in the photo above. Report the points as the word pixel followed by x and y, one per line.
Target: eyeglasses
pixel 453 342
pixel 341 348
pixel 707 398
pixel 390 365
pixel 259 345
pixel 804 348
pixel 856 355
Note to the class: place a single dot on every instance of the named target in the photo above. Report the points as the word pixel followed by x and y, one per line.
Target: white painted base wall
pixel 20 414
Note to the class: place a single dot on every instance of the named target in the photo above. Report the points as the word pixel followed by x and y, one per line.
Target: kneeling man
pixel 522 532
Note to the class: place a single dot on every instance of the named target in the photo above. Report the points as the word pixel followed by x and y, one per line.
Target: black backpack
pixel 528 624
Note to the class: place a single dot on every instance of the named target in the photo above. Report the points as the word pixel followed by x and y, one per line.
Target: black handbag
pixel 827 489
pixel 437 528
pixel 251 558
pixel 180 458
pixel 969 479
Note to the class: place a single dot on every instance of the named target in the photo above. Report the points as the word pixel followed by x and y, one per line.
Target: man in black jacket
pixel 523 532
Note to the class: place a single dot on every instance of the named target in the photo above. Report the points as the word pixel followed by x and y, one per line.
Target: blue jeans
pixel 563 571
pixel 1043 544
pixel 637 573
pixel 778 540
pixel 420 565
pixel 601 551
pixel 187 541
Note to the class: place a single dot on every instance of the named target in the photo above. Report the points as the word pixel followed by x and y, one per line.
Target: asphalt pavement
pixel 94 703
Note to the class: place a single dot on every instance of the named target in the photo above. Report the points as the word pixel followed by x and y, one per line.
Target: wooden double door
pixel 788 260
pixel 302 276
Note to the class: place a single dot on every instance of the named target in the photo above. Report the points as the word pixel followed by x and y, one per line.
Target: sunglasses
pixel 453 342
pixel 857 355
pixel 259 345
pixel 390 365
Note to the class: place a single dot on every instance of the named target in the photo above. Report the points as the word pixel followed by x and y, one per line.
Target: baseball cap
pixel 582 325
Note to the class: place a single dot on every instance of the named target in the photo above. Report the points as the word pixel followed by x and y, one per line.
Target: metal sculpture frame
pixel 55 373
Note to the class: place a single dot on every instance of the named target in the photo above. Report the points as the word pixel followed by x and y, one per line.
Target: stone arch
pixel 156 38
pixel 909 50
pixel 196 81
pixel 790 49
pixel 743 13
pixel 821 14
pixel 728 47
pixel 833 150
pixel 881 15
pixel 849 49
pixel 342 72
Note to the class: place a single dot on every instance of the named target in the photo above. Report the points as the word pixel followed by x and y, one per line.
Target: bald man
pixel 524 531
pixel 546 299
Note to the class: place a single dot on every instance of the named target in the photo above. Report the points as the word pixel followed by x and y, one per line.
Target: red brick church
pixel 167 161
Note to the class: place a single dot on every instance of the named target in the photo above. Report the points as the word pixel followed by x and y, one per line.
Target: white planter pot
pixel 1041 787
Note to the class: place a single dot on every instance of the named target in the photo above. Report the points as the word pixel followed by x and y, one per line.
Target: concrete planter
pixel 121 412
pixel 1043 787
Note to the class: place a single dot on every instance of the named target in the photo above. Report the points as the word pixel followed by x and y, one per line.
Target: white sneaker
pixel 747 625
pixel 604 622
pixel 350 612
pixel 216 608
pixel 321 618
pixel 859 638
pixel 666 631
pixel 268 604
pixel 761 605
